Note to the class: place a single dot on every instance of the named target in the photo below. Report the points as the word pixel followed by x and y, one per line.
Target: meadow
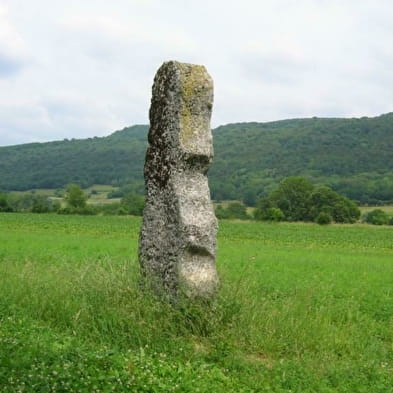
pixel 302 309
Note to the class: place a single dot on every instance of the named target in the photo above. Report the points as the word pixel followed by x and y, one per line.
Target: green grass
pixel 302 308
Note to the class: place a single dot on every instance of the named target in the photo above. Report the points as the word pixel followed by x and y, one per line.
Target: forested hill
pixel 354 156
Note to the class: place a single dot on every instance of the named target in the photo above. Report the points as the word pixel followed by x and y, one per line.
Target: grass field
pixel 302 308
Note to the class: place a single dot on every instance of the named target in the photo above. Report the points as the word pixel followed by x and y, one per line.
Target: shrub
pixel 4 205
pixel 84 211
pixel 59 193
pixel 133 204
pixel 323 218
pixel 293 198
pixel 234 210
pixel 340 208
pixel 298 200
pixel 377 217
pixel 237 210
pixel 75 197
pixel 221 212
pixel 262 209
pixel 30 202
pixel 274 214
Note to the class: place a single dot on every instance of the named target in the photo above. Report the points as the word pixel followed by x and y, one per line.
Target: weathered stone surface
pixel 178 236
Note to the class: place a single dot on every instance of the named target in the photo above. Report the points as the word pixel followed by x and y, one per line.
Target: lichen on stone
pixel 193 80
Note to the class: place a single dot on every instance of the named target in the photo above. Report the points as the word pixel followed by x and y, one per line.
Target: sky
pixel 78 69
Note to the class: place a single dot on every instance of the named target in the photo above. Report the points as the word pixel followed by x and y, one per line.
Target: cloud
pixel 79 69
pixel 13 54
pixel 112 37
pixel 9 65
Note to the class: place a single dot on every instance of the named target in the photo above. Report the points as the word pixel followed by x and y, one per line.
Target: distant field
pixel 387 208
pixel 97 194
pixel 302 308
pixel 41 191
pixel 100 194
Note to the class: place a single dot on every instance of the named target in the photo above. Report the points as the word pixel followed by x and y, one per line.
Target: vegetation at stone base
pixel 296 199
pixel 351 156
pixel 302 308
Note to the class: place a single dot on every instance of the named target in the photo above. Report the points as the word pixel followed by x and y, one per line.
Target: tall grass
pixel 301 309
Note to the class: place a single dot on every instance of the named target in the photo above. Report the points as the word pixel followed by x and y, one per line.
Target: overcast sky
pixel 77 69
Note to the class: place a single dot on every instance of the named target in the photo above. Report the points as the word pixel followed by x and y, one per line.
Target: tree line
pixel 295 199
pixel 74 202
pixel 350 156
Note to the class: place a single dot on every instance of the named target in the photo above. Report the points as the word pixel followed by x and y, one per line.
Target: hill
pixel 353 156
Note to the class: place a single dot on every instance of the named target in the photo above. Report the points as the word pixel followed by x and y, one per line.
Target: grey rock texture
pixel 178 237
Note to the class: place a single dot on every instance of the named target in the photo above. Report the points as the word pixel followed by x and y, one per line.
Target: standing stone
pixel 178 237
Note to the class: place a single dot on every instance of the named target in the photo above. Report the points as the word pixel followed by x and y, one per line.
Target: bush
pixel 298 200
pixel 30 202
pixel 377 217
pixel 323 218
pixel 133 204
pixel 221 213
pixel 84 211
pixel 59 193
pixel 234 210
pixel 261 212
pixel 274 214
pixel 75 197
pixel 340 208
pixel 4 205
pixel 237 210
pixel 293 198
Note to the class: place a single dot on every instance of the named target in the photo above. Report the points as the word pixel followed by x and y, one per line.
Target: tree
pixel 265 211
pixel 132 204
pixel 4 205
pixel 323 218
pixel 338 207
pixel 75 197
pixel 377 217
pixel 296 199
pixel 221 212
pixel 345 211
pixel 235 210
pixel 293 198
